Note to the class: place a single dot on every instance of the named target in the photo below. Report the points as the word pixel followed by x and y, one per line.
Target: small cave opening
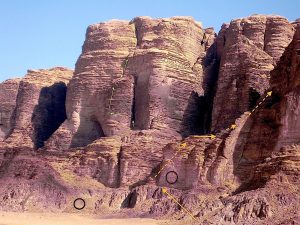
pixel 140 112
pixel 50 112
pixel 254 96
pixel 130 200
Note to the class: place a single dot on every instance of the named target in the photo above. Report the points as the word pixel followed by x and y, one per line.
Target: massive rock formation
pixel 249 50
pixel 148 78
pixel 137 116
pixel 39 106
pixel 286 84
pixel 246 60
pixel 259 151
pixel 277 124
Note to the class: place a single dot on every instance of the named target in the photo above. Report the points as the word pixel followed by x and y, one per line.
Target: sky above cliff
pixel 43 34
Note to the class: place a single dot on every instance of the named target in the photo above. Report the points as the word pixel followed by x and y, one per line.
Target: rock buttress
pixel 277 124
pixel 99 96
pixel 286 82
pixel 40 106
pixel 164 65
pixel 251 48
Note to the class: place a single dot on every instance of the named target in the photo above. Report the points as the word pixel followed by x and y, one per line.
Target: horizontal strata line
pixel 182 80
pixel 95 38
pixel 126 52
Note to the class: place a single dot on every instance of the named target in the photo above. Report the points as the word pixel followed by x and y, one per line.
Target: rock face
pixel 277 124
pixel 231 158
pixel 248 157
pixel 206 161
pixel 138 114
pixel 286 83
pixel 97 113
pixel 39 106
pixel 100 161
pixel 147 79
pixel 249 50
pixel 27 182
pixel 8 95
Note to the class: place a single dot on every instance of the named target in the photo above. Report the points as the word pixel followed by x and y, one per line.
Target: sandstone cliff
pixel 40 106
pixel 138 113
pixel 8 95
pixel 250 48
pixel 148 78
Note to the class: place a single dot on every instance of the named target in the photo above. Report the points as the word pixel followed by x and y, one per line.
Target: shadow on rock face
pixel 253 98
pixel 130 200
pixel 256 141
pixel 50 112
pixel 198 114
pixel 194 115
pixel 89 130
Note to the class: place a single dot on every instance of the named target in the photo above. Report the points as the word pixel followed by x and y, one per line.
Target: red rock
pixel 39 106
pixel 253 45
pixel 8 95
pixel 132 100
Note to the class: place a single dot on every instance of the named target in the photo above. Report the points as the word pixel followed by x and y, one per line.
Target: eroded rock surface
pixel 8 96
pixel 147 79
pixel 138 114
pixel 251 48
pixel 40 106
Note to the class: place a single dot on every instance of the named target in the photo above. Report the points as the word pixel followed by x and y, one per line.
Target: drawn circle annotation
pixel 171 177
pixel 79 203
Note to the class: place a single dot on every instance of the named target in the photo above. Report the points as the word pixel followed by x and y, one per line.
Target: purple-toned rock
pixel 8 96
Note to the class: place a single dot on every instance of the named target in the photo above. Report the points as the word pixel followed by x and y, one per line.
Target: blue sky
pixel 42 34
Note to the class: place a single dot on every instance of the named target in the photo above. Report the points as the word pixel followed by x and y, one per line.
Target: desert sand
pixel 12 218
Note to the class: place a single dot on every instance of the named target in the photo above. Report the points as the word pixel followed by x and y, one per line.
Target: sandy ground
pixel 11 218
